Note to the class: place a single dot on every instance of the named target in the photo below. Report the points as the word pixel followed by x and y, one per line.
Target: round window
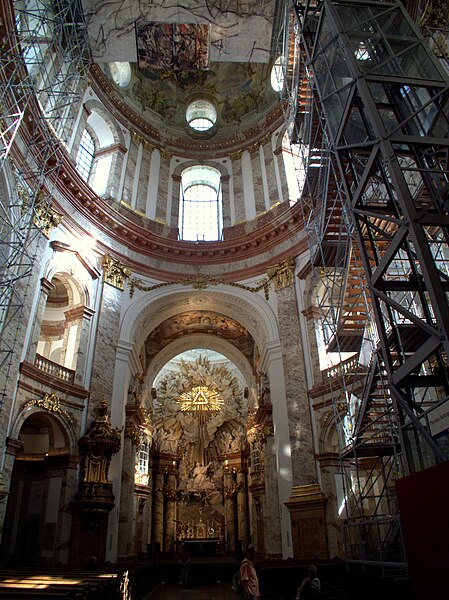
pixel 201 115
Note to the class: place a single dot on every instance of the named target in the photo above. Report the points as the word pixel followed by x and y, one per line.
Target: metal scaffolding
pixel 44 62
pixel 365 111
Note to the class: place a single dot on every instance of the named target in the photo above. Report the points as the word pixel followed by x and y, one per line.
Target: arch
pixel 152 308
pixel 60 420
pixel 208 342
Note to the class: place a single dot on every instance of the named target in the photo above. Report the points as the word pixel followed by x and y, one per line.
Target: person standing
pixel 184 561
pixel 248 576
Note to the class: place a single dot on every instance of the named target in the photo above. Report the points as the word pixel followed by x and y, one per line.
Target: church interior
pixel 224 315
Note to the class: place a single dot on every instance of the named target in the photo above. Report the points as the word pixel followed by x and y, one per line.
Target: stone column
pixel 176 200
pixel 115 170
pixel 225 201
pixel 144 174
pixel 271 517
pixel 69 475
pixel 237 180
pixel 12 448
pixel 153 184
pixel 257 181
pixel 242 510
pixel 282 182
pixel 127 523
pixel 130 171
pixel 331 470
pixel 82 346
pixel 164 174
pixel 158 517
pixel 312 315
pixel 170 512
pixel 273 194
pixel 230 513
pixel 300 427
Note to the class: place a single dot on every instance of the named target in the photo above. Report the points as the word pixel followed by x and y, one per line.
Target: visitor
pixel 248 576
pixel 184 561
pixel 311 585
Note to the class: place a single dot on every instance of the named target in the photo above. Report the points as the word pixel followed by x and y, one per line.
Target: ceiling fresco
pixel 199 322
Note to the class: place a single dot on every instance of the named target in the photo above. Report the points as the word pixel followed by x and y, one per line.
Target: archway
pixel 37 525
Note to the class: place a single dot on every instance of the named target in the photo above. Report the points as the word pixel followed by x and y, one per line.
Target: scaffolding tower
pixel 44 61
pixel 365 109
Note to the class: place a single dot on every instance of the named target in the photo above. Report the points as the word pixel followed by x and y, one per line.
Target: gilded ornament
pixel 97 446
pixel 115 272
pixel 46 218
pixel 49 402
pixel 282 274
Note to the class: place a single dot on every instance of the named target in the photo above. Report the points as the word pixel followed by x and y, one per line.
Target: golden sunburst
pixel 200 398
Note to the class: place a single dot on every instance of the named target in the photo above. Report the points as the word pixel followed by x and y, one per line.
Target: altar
pixel 202 547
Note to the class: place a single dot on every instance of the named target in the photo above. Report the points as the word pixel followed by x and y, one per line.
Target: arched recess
pixel 37 522
pixel 149 310
pixel 62 321
pixel 208 342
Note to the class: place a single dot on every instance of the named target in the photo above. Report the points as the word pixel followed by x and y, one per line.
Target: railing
pixel 54 369
pixel 351 365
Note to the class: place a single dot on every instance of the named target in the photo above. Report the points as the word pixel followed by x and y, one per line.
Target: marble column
pixel 273 194
pixel 162 199
pixel 176 200
pixel 69 476
pixel 226 201
pixel 144 174
pixel 82 347
pixel 108 328
pixel 300 427
pixel 282 183
pixel 153 184
pixel 230 513
pixel 170 512
pixel 131 165
pixel 158 518
pixel 330 473
pixel 272 526
pixel 127 498
pixel 242 510
pixel 237 180
pixel 257 181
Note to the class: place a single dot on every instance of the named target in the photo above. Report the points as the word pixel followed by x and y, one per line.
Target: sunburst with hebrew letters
pixel 200 398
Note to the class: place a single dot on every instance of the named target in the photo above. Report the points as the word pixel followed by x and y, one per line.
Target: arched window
pixel 85 156
pixel 200 214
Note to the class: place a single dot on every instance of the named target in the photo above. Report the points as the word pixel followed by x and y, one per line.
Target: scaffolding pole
pixel 371 138
pixel 44 62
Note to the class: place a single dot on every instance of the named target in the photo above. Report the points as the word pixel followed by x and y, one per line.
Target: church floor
pixel 212 591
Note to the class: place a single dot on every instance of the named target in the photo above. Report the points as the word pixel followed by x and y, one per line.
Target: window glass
pixel 85 156
pixel 200 215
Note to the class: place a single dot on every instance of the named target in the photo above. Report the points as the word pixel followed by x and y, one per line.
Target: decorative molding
pixel 115 272
pixel 283 274
pixel 50 403
pixel 198 281
pixel 45 218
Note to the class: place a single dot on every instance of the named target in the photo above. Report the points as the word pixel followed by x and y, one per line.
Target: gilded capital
pixel 46 218
pixel 115 272
pixel 282 274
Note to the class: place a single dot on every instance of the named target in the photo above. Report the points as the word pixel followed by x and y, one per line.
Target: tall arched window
pixel 200 211
pixel 85 156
